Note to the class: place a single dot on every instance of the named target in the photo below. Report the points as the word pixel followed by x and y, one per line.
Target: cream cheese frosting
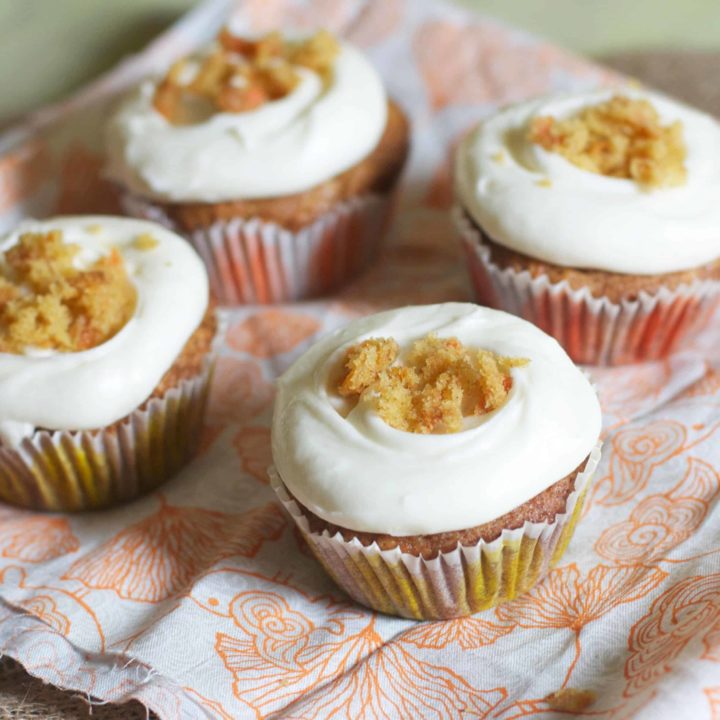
pixel 96 387
pixel 538 203
pixel 285 146
pixel 360 473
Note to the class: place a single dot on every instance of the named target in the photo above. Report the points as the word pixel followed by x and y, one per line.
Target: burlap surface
pixel 23 697
pixel 689 76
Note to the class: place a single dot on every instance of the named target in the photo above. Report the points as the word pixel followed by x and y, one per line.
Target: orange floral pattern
pixel 566 600
pixel 394 683
pixel 483 64
pixel 364 24
pixel 161 555
pixel 634 454
pixel 660 522
pixel 711 643
pixel 468 633
pixel 239 392
pixel 376 22
pixel 628 392
pixel 35 538
pixel 679 616
pixel 45 609
pixel 271 332
pixel 707 386
pixel 713 697
pixel 253 447
pixel 268 15
pixel 22 173
pixel 284 659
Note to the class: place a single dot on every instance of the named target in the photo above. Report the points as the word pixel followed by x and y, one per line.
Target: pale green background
pixel 50 47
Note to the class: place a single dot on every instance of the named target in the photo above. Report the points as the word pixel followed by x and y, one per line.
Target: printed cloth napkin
pixel 201 600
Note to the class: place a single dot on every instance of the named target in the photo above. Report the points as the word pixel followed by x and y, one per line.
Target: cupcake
pixel 597 217
pixel 275 157
pixel 435 458
pixel 105 358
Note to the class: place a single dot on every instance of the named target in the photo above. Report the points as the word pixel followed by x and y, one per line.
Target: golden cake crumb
pixel 439 383
pixel 620 138
pixel 94 229
pixel 571 700
pixel 498 157
pixel 145 241
pixel 544 182
pixel 46 302
pixel 243 74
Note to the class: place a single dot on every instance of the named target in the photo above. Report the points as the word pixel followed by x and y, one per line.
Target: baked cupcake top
pixel 248 118
pixel 624 182
pixel 430 419
pixel 94 310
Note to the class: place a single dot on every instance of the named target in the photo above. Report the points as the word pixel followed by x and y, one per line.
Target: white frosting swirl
pixel 283 147
pixel 583 219
pixel 360 473
pixel 96 387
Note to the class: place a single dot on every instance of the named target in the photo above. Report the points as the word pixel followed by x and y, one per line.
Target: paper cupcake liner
pixel 466 580
pixel 251 261
pixel 91 469
pixel 592 330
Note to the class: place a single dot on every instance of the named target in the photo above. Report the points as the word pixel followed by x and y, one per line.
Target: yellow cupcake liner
pixel 252 261
pixel 464 581
pixel 79 470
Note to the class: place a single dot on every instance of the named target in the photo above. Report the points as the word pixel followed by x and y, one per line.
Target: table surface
pixel 48 48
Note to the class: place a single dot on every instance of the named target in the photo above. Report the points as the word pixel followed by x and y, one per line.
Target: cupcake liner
pixel 251 261
pixel 592 330
pixel 78 470
pixel 466 580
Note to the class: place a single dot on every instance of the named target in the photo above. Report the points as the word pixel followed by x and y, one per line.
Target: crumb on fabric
pixel 439 382
pixel 571 700
pixel 498 157
pixel 243 74
pixel 620 138
pixel 46 302
pixel 544 182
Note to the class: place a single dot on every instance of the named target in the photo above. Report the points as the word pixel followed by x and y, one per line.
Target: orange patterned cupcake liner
pixel 464 581
pixel 594 331
pixel 251 261
pixel 78 470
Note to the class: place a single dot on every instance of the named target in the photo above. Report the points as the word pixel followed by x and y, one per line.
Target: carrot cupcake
pixel 435 457
pixel 275 157
pixel 597 217
pixel 105 358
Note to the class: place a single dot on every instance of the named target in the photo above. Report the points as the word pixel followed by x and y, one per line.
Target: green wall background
pixel 50 47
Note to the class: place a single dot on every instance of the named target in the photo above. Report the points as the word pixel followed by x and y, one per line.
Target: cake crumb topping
pixel 46 302
pixel 622 138
pixel 438 384
pixel 243 74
